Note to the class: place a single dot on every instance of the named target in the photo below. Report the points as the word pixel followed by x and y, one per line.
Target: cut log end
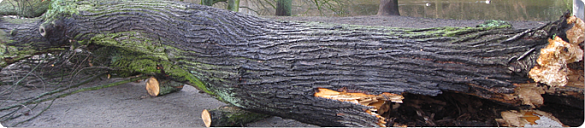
pixel 228 116
pixel 377 102
pixel 206 118
pixel 152 86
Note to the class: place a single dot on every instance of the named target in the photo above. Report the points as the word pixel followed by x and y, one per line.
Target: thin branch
pixel 246 7
pixel 37 115
pixel 93 88
pixel 36 100
pixel 53 92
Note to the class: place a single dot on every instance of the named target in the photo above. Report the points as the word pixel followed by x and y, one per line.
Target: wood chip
pixel 530 94
pixel 528 118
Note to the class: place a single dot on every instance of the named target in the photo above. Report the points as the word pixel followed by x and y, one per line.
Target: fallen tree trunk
pixel 278 68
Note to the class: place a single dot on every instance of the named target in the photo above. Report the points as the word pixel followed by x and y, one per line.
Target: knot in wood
pixel 54 32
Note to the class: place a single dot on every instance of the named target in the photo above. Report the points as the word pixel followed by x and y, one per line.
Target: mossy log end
pixel 277 67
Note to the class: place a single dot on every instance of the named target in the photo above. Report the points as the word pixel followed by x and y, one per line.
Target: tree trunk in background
pixel 29 8
pixel 234 5
pixel 324 74
pixel 579 8
pixel 283 7
pixel 208 2
pixel 388 8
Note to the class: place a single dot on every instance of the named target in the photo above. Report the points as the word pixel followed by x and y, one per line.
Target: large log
pixel 281 68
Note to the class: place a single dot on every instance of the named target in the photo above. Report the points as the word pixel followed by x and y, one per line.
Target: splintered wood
pixel 377 102
pixel 529 94
pixel 359 98
pixel 576 34
pixel 552 62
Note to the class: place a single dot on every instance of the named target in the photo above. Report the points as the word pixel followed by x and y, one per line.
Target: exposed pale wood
pixel 206 117
pixel 152 86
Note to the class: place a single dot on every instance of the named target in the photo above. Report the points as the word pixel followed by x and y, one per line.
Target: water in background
pixel 518 10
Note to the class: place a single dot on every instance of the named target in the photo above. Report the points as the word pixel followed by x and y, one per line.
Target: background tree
pixel 579 8
pixel 232 5
pixel 388 8
pixel 302 7
pixel 283 7
pixel 23 8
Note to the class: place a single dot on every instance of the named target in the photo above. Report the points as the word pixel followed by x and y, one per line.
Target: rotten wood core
pixel 457 109
pixel 552 66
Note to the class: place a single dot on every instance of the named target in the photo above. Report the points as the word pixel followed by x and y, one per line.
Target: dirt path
pixel 129 106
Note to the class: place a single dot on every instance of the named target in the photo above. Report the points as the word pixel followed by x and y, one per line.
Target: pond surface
pixel 519 10
pixel 516 10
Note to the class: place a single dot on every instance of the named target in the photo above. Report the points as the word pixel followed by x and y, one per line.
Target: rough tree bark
pixel 282 68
